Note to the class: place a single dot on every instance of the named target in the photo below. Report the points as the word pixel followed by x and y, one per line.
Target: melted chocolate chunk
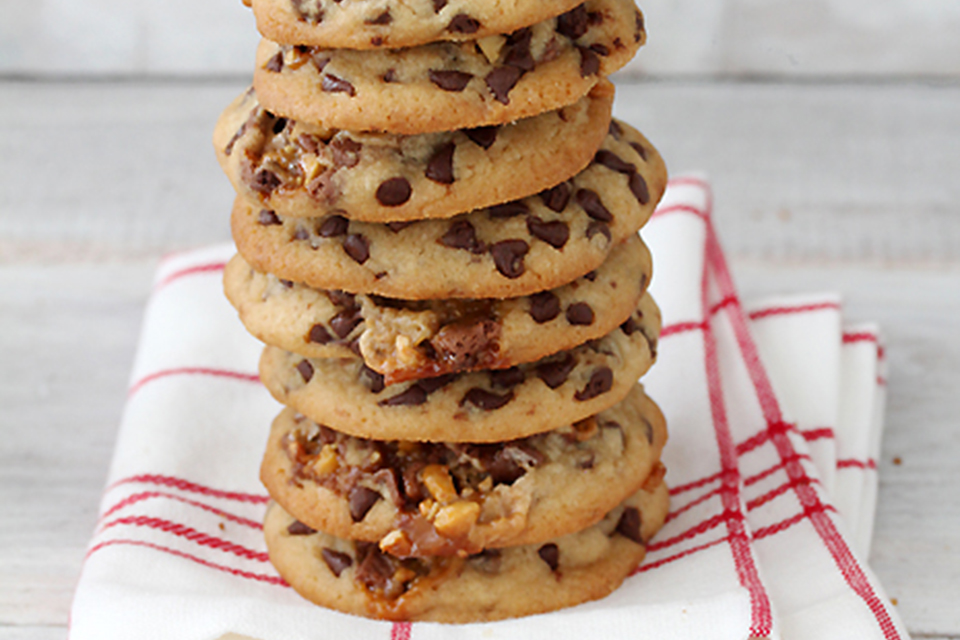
pixel 600 382
pixel 382 18
pixel 508 257
pixel 516 51
pixel 374 379
pixel 629 525
pixel 333 227
pixel 345 322
pixel 556 372
pixel 508 210
pixel 483 137
pixel 589 62
pixel 554 233
pixel 305 369
pixel 357 247
pixel 319 335
pixel 557 198
pixel 550 554
pixel 574 23
pixel 614 162
pixel 341 298
pixel 511 461
pixel 338 562
pixel 506 378
pixel 413 396
pixel 346 152
pixel 596 227
pixel 630 326
pixel 394 192
pixel 297 528
pixel 462 344
pixel 319 63
pixel 275 63
pixel 580 313
pixel 486 400
pixel 361 500
pixel 462 23
pixel 333 84
pixel 374 570
pixel 455 81
pixel 462 235
pixel 267 218
pixel 591 203
pixel 501 82
pixel 638 187
pixel 544 307
pixel 264 181
pixel 440 165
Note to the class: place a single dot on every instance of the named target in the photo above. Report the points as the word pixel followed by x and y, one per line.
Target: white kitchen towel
pixel 178 550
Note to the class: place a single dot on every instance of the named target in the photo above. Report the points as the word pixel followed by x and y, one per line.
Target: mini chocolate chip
pixel 333 84
pixel 374 379
pixel 376 41
pixel 413 396
pixel 612 161
pixel 275 63
pixel 394 192
pixel 357 247
pixel 319 335
pixel 591 203
pixel 389 76
pixel 297 528
pixel 462 23
pixel 508 257
pixel 440 165
pixel 486 400
pixel 397 227
pixel 630 326
pixel 573 23
pixel 438 5
pixel 383 18
pixel 483 137
pixel 462 235
pixel 345 322
pixel 346 152
pixel 638 186
pixel 596 227
pixel 287 283
pixel 592 276
pixel 629 525
pixel 267 218
pixel 554 233
pixel 305 369
pixel 336 561
pixel 508 210
pixel 507 378
pixel 264 181
pixel 556 372
pixel 333 227
pixel 589 62
pixel 557 198
pixel 501 81
pixel 580 313
pixel 544 306
pixel 361 500
pixel 455 81
pixel 550 554
pixel 615 129
pixel 279 125
pixel 640 149
pixel 600 382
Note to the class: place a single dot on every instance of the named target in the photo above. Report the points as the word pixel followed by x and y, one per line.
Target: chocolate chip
pixel 455 81
pixel 629 525
pixel 333 84
pixel 429 385
pixel 338 562
pixel 390 75
pixel 438 5
pixel 511 461
pixel 648 430
pixel 346 152
pixel 556 372
pixel 639 148
pixel 275 63
pixel 556 199
pixel 297 528
pixel 267 218
pixel 301 233
pixel 361 500
pixel 587 461
pixel 357 247
pixel 589 62
pixel 397 227
pixel 580 313
pixel 319 335
pixel 612 161
pixel 516 51
pixel 501 81
pixel 305 369
pixel 600 382
pixel 638 33
pixel 508 257
pixel 554 233
pixel 615 129
pixel 374 379
pixel 596 227
pixel 630 326
pixel 483 137
pixel 345 322
pixel 264 181
pixel 440 165
pixel 506 378
pixel 413 396
pixel 341 298
pixel 599 49
pixel 591 203
pixel 486 400
pixel 462 344
pixel 573 24
pixel 319 63
pixel 462 235
pixel 638 186
pixel 550 554
pixel 333 226
pixel 394 192
pixel 544 306
pixel 287 283
pixel 279 125
pixel 508 210
pixel 592 276
pixel 462 23
pixel 383 18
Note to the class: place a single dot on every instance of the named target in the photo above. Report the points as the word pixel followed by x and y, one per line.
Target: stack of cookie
pixel 437 231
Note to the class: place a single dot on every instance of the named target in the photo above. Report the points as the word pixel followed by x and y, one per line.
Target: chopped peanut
pixel 326 462
pixel 585 429
pixel 396 543
pixel 437 479
pixel 455 520
pixel 655 477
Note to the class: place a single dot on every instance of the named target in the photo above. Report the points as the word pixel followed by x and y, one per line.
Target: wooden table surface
pixel 839 186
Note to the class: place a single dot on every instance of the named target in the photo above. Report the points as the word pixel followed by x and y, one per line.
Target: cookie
pixel 515 249
pixel 357 578
pixel 308 170
pixel 423 499
pixel 407 340
pixel 482 406
pixel 446 86
pixel 335 24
